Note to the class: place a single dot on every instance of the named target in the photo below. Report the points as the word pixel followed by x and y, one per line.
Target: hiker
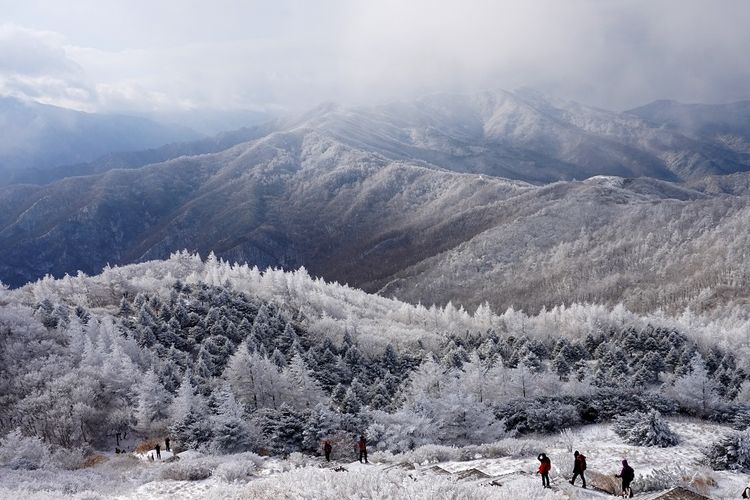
pixel 166 443
pixel 579 465
pixel 746 491
pixel 362 445
pixel 627 474
pixel 327 449
pixel 544 468
pixel 158 452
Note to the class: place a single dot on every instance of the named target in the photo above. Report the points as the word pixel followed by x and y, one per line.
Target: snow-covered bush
pixel 430 453
pixel 236 470
pixel 568 438
pixel 23 452
pixel 297 459
pixel 645 429
pixel 68 459
pixel 730 453
pixel 193 470
pixel 538 415
pixel 669 477
pixel 312 482
pixel 741 418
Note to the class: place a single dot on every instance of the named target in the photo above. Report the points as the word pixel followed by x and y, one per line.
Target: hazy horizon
pixel 133 57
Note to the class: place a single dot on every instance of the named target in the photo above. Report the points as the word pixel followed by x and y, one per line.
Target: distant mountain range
pixel 451 197
pixel 36 137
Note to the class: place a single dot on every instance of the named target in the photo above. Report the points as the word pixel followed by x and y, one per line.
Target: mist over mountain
pixel 38 137
pixel 409 199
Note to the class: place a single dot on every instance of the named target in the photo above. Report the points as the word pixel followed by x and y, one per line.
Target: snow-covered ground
pixel 247 476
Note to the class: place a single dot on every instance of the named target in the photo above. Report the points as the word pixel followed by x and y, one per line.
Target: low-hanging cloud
pixel 293 54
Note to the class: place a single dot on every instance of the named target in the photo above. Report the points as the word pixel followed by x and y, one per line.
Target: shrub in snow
pixel 670 477
pixel 187 471
pixel 438 453
pixel 23 452
pixel 297 459
pixel 538 415
pixel 69 459
pixel 313 482
pixel 645 429
pixel 236 470
pixel 732 452
pixel 741 418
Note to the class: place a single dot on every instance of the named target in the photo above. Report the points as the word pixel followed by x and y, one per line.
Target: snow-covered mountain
pixel 524 135
pixel 407 199
pixel 36 137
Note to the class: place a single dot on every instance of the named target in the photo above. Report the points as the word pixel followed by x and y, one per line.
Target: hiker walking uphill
pixel 327 449
pixel 579 466
pixel 627 474
pixel 362 445
pixel 544 467
pixel 158 452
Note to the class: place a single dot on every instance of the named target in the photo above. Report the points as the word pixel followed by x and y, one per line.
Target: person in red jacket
pixel 544 468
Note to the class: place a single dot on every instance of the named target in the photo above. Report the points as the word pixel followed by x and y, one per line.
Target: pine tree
pixel 561 366
pixel 645 429
pixel 306 390
pixel 231 433
pixel 153 405
pixel 278 359
pixel 351 403
pixel 125 310
pixel 695 391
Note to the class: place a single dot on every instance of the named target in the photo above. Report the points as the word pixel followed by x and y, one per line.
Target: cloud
pixel 33 64
pixel 293 54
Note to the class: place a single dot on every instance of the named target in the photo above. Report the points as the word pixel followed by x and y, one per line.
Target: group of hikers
pixel 157 449
pixel 579 467
pixel 361 447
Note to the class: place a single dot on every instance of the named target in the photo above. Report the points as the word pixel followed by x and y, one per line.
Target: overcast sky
pixel 151 55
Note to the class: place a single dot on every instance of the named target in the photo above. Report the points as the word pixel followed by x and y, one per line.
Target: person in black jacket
pixel 579 466
pixel 627 474
pixel 327 449
pixel 362 445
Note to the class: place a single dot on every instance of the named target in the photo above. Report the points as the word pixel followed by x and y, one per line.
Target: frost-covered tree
pixel 696 391
pixel 645 429
pixel 730 453
pixel 189 416
pixel 154 401
pixel 305 390
pixel 231 433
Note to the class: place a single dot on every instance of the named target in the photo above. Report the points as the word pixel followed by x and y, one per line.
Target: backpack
pixel 628 473
pixel 583 462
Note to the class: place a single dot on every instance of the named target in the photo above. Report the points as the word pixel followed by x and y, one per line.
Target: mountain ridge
pixel 334 191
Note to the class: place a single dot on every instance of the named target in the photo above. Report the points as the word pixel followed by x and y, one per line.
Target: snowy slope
pixel 384 478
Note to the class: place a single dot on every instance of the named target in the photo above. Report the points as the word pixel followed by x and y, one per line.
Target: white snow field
pixel 429 472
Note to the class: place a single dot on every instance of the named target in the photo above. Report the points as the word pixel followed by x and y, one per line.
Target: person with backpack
pixel 158 452
pixel 362 445
pixel 327 449
pixel 544 467
pixel 579 466
pixel 627 474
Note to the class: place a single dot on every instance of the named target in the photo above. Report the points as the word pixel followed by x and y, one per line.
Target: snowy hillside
pixel 226 359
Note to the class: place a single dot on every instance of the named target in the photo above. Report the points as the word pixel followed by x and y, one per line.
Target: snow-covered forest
pixel 227 359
